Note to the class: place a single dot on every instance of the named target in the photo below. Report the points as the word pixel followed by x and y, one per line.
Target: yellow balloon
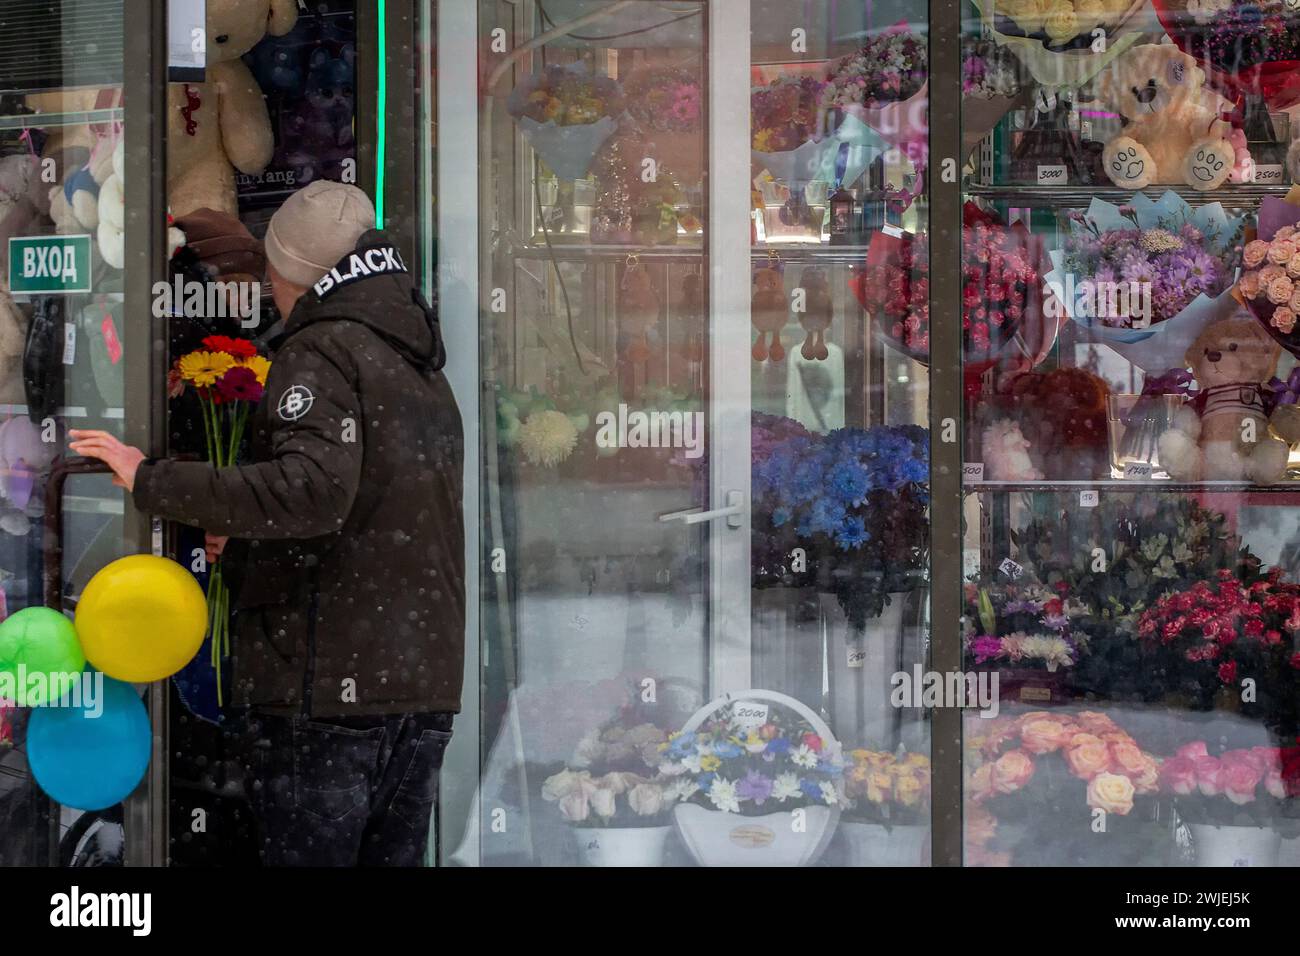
pixel 141 618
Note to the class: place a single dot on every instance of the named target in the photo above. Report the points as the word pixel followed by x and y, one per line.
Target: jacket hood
pixel 372 285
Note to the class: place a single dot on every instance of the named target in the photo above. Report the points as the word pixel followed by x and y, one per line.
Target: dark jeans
pixel 355 791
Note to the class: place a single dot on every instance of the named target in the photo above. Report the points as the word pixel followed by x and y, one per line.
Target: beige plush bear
pixel 1174 133
pixel 221 125
pixel 1223 434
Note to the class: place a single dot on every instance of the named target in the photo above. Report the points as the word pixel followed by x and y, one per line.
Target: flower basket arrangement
pixel 1051 771
pixel 741 766
pixel 1024 632
pixel 611 783
pixel 1270 277
pixel 1001 289
pixel 1054 39
pixel 229 378
pixel 1237 803
pixel 1252 45
pixel 1113 254
pixel 566 115
pixel 856 500
pixel 886 818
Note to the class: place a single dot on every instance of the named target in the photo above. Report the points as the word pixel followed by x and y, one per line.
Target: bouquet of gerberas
pixel 1210 639
pixel 229 378
pixel 566 114
pixel 1147 277
pixel 729 765
pixel 1242 787
pixel 887 789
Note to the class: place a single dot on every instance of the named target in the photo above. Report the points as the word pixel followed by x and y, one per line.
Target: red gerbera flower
pixel 240 385
pixel 239 348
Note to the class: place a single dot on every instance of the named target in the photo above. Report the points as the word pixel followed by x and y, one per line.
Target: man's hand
pixel 214 544
pixel 123 459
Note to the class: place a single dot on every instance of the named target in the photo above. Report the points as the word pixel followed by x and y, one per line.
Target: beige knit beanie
pixel 315 228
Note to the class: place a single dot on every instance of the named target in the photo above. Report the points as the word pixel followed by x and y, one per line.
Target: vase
pixel 715 838
pixel 1235 846
pixel 872 844
pixel 787 643
pixel 860 665
pixel 621 846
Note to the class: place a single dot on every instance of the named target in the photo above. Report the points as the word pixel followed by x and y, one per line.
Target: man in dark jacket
pixel 347 542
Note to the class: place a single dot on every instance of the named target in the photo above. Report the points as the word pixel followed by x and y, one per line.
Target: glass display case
pixel 915 485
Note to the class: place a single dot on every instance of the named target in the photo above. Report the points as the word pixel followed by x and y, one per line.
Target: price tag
pixel 1011 569
pixel 890 229
pixel 69 343
pixel 1045 102
pixel 1089 499
pixel 1270 175
pixel 749 715
pixel 856 655
pixel 1140 470
pixel 972 471
pixel 1053 175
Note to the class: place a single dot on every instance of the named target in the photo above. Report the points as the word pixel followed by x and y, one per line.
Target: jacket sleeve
pixel 308 486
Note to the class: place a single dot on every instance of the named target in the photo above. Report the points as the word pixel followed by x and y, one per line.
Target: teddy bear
pixel 817 316
pixel 1223 433
pixel 1173 130
pixel 222 124
pixel 768 313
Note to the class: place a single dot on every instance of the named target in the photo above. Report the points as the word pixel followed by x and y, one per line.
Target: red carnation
pixel 1228 672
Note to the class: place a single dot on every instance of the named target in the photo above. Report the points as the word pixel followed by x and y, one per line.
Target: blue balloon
pixel 92 755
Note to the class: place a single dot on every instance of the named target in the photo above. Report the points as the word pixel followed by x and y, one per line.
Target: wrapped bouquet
pixel 566 115
pixel 1146 278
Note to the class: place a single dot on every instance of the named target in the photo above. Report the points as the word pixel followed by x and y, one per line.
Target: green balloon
pixel 39 652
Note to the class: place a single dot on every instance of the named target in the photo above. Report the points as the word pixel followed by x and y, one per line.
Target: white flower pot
pixel 1288 853
pixel 871 844
pixel 1234 846
pixel 860 666
pixel 715 838
pixel 621 846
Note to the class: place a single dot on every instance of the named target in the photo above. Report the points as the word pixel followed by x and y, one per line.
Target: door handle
pixel 734 512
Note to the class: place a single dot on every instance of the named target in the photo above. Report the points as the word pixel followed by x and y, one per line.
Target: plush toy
pixel 1062 414
pixel 111 231
pixel 638 310
pixel 1223 433
pixel 1006 453
pixel 13 340
pixel 23 199
pixel 768 313
pixel 1173 132
pixel 817 315
pixel 222 124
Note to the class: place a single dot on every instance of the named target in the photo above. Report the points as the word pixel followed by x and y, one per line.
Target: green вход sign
pixel 49 265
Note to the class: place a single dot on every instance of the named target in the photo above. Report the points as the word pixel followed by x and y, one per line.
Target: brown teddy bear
pixel 768 313
pixel 1223 433
pixel 1173 132
pixel 221 124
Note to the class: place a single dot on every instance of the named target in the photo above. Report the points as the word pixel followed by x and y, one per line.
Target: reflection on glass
pixel 1129 512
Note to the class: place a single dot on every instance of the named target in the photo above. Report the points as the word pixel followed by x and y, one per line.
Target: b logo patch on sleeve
pixel 295 403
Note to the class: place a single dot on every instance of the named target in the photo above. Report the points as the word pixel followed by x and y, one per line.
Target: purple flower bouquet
pixel 1147 278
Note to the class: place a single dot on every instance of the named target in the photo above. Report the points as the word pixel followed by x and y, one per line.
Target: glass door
pixel 702 490
pixel 70 345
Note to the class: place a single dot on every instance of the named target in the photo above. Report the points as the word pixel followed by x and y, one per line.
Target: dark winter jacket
pixel 350 593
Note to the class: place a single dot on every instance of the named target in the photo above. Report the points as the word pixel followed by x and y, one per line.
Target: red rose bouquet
pixel 1001 290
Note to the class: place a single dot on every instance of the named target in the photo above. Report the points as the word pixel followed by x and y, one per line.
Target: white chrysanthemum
pixel 722 794
pixel 785 786
pixel 805 756
pixel 547 438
